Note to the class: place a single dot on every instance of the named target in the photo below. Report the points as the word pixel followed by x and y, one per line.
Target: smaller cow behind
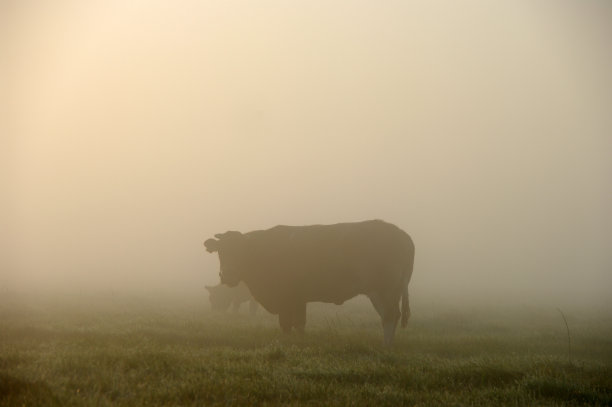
pixel 222 296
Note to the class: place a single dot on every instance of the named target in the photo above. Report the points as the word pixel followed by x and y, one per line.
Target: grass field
pixel 137 351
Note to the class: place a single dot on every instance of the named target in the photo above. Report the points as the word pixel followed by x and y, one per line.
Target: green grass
pixel 143 353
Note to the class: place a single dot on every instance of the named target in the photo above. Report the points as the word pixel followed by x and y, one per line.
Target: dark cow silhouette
pixel 221 297
pixel 286 267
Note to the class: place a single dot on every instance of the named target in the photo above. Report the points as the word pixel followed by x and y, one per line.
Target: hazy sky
pixel 134 130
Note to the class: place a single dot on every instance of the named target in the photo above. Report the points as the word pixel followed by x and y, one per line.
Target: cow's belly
pixel 334 299
pixel 333 293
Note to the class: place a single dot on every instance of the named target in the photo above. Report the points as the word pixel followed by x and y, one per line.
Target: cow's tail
pixel 405 307
pixel 405 301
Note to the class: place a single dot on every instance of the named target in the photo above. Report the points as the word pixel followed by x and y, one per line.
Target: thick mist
pixel 134 131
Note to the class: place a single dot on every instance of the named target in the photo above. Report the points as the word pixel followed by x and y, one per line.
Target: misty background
pixel 133 131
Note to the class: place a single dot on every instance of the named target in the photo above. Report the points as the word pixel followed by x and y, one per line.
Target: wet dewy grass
pixel 156 356
pixel 15 391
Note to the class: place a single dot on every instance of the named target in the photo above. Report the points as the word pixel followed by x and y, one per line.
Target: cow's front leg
pixel 285 319
pixel 299 317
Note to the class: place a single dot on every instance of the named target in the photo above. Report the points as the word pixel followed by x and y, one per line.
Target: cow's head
pixel 230 246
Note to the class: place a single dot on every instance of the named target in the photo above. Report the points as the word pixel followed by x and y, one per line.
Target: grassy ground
pixel 140 352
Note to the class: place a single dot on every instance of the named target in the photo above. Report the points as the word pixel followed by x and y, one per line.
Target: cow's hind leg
pixel 388 309
pixel 299 317
pixel 389 321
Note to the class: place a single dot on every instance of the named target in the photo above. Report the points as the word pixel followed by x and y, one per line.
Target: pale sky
pixel 132 131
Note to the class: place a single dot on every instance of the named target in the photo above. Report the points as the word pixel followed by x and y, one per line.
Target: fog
pixel 133 131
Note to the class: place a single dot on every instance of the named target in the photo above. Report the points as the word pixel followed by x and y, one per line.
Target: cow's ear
pixel 210 288
pixel 211 245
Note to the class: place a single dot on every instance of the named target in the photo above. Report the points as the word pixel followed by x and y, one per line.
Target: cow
pixel 286 267
pixel 221 297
